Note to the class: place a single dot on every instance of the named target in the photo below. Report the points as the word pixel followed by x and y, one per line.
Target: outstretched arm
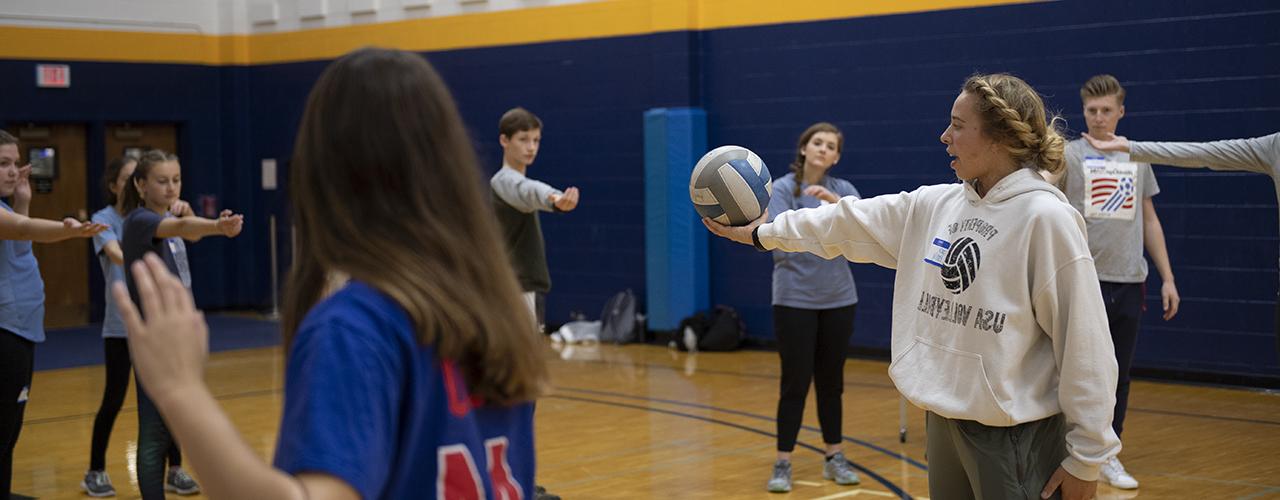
pixel 14 226
pixel 193 228
pixel 1258 154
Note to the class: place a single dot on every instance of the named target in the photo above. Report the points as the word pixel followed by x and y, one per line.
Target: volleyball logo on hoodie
pixel 960 265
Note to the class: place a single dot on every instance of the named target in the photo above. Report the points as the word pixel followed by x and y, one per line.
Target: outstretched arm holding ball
pixel 972 300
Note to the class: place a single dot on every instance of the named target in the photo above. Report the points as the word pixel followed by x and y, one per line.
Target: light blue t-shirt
pixel 804 280
pixel 112 325
pixel 21 289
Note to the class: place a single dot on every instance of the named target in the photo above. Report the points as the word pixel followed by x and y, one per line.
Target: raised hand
pixel 169 348
pixel 81 229
pixel 567 201
pixel 22 193
pixel 181 209
pixel 230 224
pixel 821 193
pixel 1113 142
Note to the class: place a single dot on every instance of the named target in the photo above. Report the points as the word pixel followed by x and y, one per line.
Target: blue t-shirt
pixel 21 289
pixel 367 403
pixel 139 238
pixel 804 280
pixel 112 325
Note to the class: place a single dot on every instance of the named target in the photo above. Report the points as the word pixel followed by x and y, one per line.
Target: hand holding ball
pixel 730 185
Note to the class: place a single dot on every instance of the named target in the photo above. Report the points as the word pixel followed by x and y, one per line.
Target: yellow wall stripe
pixel 511 27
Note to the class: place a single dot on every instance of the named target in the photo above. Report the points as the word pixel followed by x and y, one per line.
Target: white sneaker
pixel 1114 474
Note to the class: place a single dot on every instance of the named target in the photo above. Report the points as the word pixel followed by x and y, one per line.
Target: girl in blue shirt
pixel 115 346
pixel 813 309
pixel 151 226
pixel 411 361
pixel 21 295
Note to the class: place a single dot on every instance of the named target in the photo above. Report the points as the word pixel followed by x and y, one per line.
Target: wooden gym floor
pixel 646 422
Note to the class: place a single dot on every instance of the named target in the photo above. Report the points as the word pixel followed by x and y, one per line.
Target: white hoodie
pixel 997 314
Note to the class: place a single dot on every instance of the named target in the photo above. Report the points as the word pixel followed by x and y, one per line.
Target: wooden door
pixel 64 265
pixel 136 138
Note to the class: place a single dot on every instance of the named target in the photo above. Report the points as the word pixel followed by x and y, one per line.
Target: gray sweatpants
pixel 969 460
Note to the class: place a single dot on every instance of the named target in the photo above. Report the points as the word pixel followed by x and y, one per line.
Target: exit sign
pixel 55 76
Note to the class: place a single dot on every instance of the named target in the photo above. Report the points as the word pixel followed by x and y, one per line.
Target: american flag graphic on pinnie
pixel 1110 194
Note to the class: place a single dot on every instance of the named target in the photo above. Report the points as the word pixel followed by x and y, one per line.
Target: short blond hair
pixel 1102 86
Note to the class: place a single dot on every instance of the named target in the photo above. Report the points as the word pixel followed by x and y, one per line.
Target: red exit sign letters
pixel 56 76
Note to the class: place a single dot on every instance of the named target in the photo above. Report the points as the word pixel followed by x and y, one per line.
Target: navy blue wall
pixel 1198 71
pixel 1194 70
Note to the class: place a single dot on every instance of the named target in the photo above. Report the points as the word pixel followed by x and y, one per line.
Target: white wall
pixel 307 14
pixel 220 17
pixel 169 16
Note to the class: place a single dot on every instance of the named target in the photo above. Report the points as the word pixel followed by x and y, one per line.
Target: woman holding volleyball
pixel 999 330
pixel 813 310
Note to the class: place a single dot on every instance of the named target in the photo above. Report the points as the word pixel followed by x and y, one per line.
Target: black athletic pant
pixel 154 441
pixel 116 352
pixel 1124 310
pixel 1277 324
pixel 17 357
pixel 812 344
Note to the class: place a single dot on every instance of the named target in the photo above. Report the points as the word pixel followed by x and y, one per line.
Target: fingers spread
pixel 128 312
pixel 165 282
pixel 146 288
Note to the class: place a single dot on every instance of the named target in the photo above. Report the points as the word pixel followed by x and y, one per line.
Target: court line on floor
pixel 1201 415
pixel 878 478
pixel 769 376
pixel 61 418
pixel 134 409
pixel 854 493
pixel 850 439
pixel 775 376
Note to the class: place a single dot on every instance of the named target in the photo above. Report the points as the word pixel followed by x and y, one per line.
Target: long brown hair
pixel 386 189
pixel 1013 115
pixel 132 192
pixel 109 176
pixel 797 165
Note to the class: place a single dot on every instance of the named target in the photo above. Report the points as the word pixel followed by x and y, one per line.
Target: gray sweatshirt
pixel 1260 154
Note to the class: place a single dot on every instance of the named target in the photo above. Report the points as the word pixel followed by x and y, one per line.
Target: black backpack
pixel 619 321
pixel 721 330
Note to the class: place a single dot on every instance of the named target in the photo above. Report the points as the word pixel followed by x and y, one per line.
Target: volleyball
pixel 730 185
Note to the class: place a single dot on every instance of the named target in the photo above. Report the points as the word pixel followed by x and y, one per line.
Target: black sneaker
pixel 178 481
pixel 97 484
pixel 540 493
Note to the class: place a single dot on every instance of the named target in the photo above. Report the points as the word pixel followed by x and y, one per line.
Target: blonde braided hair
pixel 1013 114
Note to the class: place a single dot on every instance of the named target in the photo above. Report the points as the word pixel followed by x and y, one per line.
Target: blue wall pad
pixel 674 239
